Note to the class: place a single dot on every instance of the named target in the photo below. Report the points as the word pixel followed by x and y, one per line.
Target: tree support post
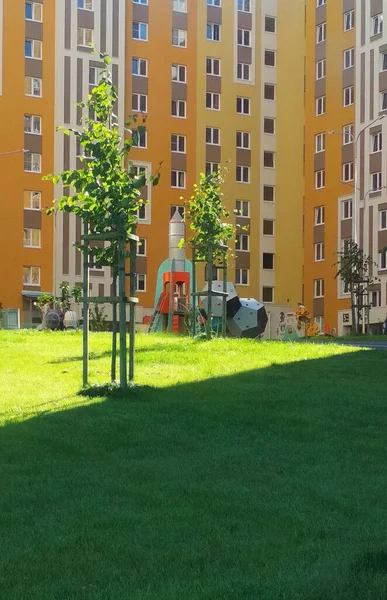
pixel 224 299
pixel 122 314
pixel 114 333
pixel 209 286
pixel 85 330
pixel 193 292
pixel 132 291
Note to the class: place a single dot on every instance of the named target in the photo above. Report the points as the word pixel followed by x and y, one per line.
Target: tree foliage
pixel 104 193
pixel 206 214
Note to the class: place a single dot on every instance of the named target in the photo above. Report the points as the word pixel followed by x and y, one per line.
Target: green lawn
pixel 237 470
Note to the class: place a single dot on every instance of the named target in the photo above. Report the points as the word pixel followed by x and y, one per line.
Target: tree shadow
pixel 266 484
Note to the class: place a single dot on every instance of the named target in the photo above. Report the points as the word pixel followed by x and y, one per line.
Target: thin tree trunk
pixel 353 309
pixel 114 334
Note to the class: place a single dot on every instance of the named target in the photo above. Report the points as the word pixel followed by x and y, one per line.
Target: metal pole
pixel 85 331
pixel 132 291
pixel 171 292
pixel 193 292
pixel 224 315
pixel 121 293
pixel 114 334
pixel 209 287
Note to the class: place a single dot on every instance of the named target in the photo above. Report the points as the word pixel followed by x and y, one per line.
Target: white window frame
pixel 141 247
pixel 31 82
pixel 180 179
pixel 376 142
pixel 179 6
pixel 268 287
pixel 212 97
pixel 28 233
pixel 211 167
pixel 383 220
pixel 376 298
pixel 383 260
pixel 140 61
pixel 97 71
pixel 213 2
pixel 319 215
pixel 138 276
pixel 376 179
pixel 349 20
pixel 240 205
pixel 36 49
pixel 321 32
pixel 179 38
pixel 244 6
pixel 86 4
pixel 36 7
pixel 35 159
pixel 84 32
pixel 243 102
pixel 377 25
pixel 213 134
pixel 383 60
pixel 140 138
pixel 30 278
pixel 319 255
pixel 263 227
pixel 320 3
pixel 34 120
pixel 319 179
pixel 272 53
pixel 242 239
pixel 144 2
pixel 141 27
pixel 176 145
pixel 318 288
pixel 348 134
pixel 242 174
pixel 244 37
pixel 348 171
pixel 178 104
pixel 179 73
pixel 348 58
pixel 243 71
pixel 383 101
pixel 275 24
pixel 320 106
pixel 346 209
pixel 34 197
pixel 267 153
pixel 319 143
pixel 239 279
pixel 321 69
pixel 213 32
pixel 212 61
pixel 265 119
pixel 266 85
pixel 139 98
pixel 243 140
pixel 348 96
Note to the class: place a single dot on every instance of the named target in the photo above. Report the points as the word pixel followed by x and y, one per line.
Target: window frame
pixel 350 168
pixel 347 134
pixel 320 100
pixel 177 3
pixel 182 37
pixel 30 206
pixel 321 32
pixel 319 252
pixel 241 35
pixel 213 28
pixel 30 245
pixel 241 6
pixel 178 174
pixel 243 72
pixel 139 97
pixel 211 60
pixel 240 143
pixel 84 31
pixel 179 69
pixel 319 179
pixel 319 137
pixel 323 64
pixel 271 288
pixel 212 96
pixel 179 137
pixel 382 220
pixel 34 44
pixel 378 178
pixel 269 52
pixel 346 209
pixel 377 25
pixel 318 288
pixel 31 81
pixel 178 103
pixel 141 26
pixel 34 5
pixel 263 227
pixel 351 53
pixel 33 118
pixel 319 215
pixel 239 211
pixel 350 92
pixel 30 279
pixel 241 271
pixel 138 290
pixel 378 138
pixel 142 243
pixel 239 239
pixel 242 170
pixel 32 154
pixel 139 62
pixel 351 15
pixel 243 100
pixel 214 132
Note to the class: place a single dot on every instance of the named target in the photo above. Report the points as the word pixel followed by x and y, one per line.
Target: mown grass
pixel 235 470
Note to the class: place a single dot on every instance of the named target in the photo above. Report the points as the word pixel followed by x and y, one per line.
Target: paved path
pixel 373 345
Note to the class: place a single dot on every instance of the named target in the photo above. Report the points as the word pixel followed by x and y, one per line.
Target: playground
pixel 232 470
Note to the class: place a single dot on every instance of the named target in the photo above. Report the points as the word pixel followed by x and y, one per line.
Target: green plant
pixel 98 318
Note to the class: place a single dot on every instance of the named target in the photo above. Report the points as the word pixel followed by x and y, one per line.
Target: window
pixel 376 298
pixel 138 170
pixel 32 162
pixel 348 58
pixel 33 87
pixel 383 219
pixel 33 49
pixel 243 140
pixel 178 143
pixel 376 142
pixel 270 24
pixel 319 251
pixel 179 73
pixel 268 159
pixel 241 276
pixel 348 171
pixel 319 215
pixel 212 101
pixel 268 227
pixel 376 181
pixel 33 124
pixel 347 134
pixel 244 37
pixel 213 136
pixel 34 11
pixel 179 5
pixel 384 61
pixel 319 288
pixel 178 179
pixel 140 282
pixel 320 3
pixel 139 103
pixel 321 69
pixel 244 5
pixel 179 37
pixel 211 167
pixel 268 125
pixel 243 106
pixel 242 174
pixel 320 106
pixel 347 209
pixel 213 66
pixel 84 36
pixel 85 4
pixel 139 66
pixel 268 193
pixel 175 207
pixel 31 275
pixel 31 238
pixel 141 247
pixel 321 33
pixel 139 137
pixel 383 259
pixel 213 2
pixel 319 179
pixel 268 261
pixel 383 101
pixel 320 323
pixel 141 214
pixel 348 97
pixel 269 91
pixel 349 20
pixel 377 25
pixel 94 75
pixel 178 109
pixel 242 242
pixel 213 32
pixel 242 208
pixel 139 31
pixel 319 141
pixel 140 1
pixel 32 200
pixel 267 294
pixel 244 71
pixel 270 58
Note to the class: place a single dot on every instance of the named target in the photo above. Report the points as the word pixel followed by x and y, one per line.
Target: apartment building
pixel 212 79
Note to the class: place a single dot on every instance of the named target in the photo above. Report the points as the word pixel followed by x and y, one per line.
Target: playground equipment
pixel 249 321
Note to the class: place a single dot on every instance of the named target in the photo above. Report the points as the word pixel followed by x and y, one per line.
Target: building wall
pixel 14 104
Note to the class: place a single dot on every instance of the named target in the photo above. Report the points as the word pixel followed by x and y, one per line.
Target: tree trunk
pixel 353 309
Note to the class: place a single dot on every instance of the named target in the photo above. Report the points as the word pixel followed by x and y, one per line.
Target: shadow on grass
pixel 267 484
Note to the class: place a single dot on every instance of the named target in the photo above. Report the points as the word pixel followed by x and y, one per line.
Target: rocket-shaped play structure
pixel 173 284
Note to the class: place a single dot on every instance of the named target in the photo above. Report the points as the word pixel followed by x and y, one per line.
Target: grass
pixel 235 470
pixel 348 338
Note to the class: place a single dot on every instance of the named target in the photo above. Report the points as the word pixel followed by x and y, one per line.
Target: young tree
pixel 206 215
pixel 104 193
pixel 354 269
